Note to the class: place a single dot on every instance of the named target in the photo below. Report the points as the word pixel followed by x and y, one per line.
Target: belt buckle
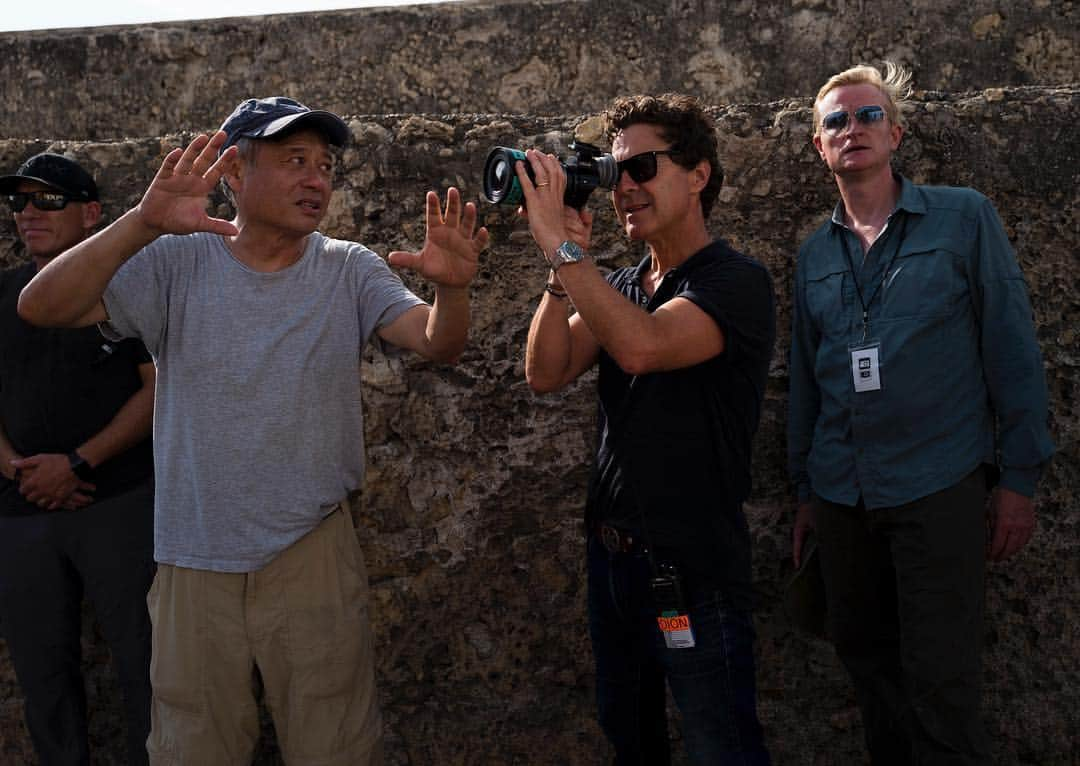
pixel 611 538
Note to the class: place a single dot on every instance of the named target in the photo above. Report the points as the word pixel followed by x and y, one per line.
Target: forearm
pixel 803 408
pixel 67 292
pixel 447 328
pixel 1013 370
pixel 804 397
pixel 624 330
pixel 548 351
pixel 7 454
pixel 1012 359
pixel 131 424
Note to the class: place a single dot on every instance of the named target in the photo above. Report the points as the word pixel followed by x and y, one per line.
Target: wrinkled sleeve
pixel 1012 360
pixel 381 295
pixel 136 299
pixel 739 298
pixel 804 399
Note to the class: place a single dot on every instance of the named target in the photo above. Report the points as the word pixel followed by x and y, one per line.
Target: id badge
pixel 672 614
pixel 676 629
pixel 866 366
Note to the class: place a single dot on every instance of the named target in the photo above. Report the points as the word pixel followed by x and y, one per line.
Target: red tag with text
pixel 676 630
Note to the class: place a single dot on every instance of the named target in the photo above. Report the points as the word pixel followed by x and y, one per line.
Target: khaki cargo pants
pixel 303 620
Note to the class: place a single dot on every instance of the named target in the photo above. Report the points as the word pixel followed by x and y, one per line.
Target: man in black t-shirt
pixel 76 482
pixel 683 343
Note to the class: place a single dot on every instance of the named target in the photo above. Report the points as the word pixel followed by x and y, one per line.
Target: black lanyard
pixel 854 277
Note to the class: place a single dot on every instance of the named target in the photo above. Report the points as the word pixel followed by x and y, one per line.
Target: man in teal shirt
pixel 916 385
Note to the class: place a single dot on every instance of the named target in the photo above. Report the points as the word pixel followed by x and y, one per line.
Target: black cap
pixel 56 171
pixel 265 117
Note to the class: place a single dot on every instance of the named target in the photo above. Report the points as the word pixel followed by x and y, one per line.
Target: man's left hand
pixel 1012 523
pixel 453 244
pixel 48 481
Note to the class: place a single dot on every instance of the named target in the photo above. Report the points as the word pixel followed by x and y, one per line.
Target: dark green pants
pixel 905 610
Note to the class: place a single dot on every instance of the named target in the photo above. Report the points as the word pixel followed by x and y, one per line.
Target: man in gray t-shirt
pixel 256 327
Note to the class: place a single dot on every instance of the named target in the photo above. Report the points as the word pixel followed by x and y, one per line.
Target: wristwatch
pixel 567 252
pixel 80 467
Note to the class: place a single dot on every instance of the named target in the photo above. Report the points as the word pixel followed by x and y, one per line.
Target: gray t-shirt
pixel 257 422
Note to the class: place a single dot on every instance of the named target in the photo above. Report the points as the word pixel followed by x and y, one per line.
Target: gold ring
pixel 545 183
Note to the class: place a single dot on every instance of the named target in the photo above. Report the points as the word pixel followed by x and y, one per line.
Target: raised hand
pixel 175 202
pixel 452 246
pixel 550 221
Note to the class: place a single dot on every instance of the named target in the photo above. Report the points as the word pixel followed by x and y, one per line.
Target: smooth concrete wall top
pixel 543 57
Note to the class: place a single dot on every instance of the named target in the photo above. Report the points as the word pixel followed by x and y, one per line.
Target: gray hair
pixel 245 152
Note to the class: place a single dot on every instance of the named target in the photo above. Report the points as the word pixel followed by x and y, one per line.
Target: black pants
pixel 905 609
pixel 47 562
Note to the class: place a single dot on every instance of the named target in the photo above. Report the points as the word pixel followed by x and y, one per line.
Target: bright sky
pixel 57 14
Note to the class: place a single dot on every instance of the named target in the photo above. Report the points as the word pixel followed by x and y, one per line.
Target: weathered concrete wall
pixel 542 57
pixel 470 518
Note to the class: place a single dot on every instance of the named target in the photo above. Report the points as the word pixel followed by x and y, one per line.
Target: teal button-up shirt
pixel 962 381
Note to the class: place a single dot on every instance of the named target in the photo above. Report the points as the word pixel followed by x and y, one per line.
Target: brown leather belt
pixel 617 541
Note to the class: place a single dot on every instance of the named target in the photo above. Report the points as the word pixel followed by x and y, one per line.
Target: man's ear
pixel 91 214
pixel 896 136
pixel 699 175
pixel 232 172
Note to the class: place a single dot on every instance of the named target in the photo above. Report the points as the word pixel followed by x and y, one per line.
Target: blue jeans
pixel 712 683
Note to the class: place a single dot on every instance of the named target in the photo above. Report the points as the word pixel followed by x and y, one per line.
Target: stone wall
pixel 472 504
pixel 471 510
pixel 542 57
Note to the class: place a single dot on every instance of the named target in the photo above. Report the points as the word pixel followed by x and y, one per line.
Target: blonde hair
pixel 895 86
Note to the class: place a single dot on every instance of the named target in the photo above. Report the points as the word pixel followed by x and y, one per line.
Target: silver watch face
pixel 568 252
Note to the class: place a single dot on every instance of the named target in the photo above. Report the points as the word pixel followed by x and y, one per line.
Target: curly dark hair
pixel 683 122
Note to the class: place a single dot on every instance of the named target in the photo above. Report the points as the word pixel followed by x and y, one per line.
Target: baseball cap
pixel 265 117
pixel 56 171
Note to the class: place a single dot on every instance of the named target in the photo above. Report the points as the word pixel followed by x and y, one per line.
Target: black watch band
pixel 80 467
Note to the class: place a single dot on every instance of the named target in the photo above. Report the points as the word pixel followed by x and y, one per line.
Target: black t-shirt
pixel 59 387
pixel 675 446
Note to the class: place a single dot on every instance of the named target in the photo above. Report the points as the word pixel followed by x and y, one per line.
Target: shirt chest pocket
pixel 830 300
pixel 924 284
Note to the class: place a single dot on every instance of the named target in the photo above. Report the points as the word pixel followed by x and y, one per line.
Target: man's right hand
pixel 9 471
pixel 804 524
pixel 48 481
pixel 175 202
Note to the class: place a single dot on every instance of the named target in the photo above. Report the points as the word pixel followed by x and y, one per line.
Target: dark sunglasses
pixel 642 167
pixel 42 200
pixel 834 122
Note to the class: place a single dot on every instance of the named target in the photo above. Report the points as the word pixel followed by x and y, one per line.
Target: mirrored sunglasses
pixel 42 200
pixel 642 167
pixel 834 122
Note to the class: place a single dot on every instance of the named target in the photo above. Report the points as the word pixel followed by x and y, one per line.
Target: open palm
pixel 175 202
pixel 452 247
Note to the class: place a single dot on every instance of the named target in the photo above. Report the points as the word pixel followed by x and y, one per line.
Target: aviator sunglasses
pixel 642 167
pixel 42 200
pixel 834 122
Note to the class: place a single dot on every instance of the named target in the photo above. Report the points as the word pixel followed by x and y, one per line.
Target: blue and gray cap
pixel 265 117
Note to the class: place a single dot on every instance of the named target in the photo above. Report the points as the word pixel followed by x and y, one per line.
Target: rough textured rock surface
pixel 471 508
pixel 541 57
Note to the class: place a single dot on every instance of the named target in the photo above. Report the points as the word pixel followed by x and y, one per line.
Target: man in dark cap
pixel 257 326
pixel 76 482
